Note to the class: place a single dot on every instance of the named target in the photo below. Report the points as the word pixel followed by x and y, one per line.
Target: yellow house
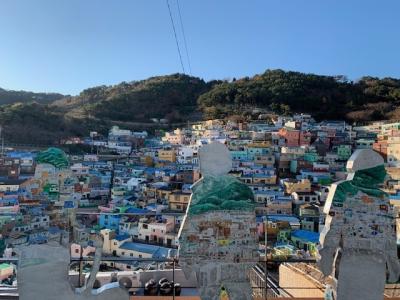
pixel 167 155
pixel 265 160
pixel 178 201
pixel 259 144
pixel 163 193
pixel 264 179
pixel 302 186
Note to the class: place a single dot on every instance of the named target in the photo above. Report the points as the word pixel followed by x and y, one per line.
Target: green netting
pixel 53 156
pixel 221 193
pixel 367 181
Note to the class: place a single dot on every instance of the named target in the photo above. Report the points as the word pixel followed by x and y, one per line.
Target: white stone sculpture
pixel 218 241
pixel 360 222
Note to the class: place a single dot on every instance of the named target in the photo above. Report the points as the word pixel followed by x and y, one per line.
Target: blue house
pixel 239 155
pixel 109 221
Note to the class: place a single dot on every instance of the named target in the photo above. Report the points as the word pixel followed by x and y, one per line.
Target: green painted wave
pixel 221 193
pixel 53 156
pixel 367 181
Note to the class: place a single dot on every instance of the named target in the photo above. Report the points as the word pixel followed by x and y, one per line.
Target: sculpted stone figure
pixel 360 222
pixel 218 240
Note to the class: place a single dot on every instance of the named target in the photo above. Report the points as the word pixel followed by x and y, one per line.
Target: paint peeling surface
pixel 367 181
pixel 361 215
pixel 219 238
pixel 360 222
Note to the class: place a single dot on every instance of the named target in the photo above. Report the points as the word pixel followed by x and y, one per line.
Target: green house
pixel 344 152
pixel 311 156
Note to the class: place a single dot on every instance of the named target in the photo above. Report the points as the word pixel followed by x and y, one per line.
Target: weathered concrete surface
pixel 215 159
pixel 43 274
pixel 95 268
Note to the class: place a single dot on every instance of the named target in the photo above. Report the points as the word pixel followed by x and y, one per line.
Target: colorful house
pixel 109 221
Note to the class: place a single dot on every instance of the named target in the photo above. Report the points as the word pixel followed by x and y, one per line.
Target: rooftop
pixel 155 251
pixel 306 235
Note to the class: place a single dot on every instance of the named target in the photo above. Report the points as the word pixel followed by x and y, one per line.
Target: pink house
pixel 295 138
pixel 76 251
pixel 155 231
pixel 305 138
pixel 291 136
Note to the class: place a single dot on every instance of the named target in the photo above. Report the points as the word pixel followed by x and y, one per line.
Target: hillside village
pixel 132 190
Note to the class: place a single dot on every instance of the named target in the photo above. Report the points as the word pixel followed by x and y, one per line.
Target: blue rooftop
pixel 54 230
pixel 288 218
pixel 19 154
pixel 122 237
pixel 155 251
pixel 262 175
pixel 305 235
pixel 151 206
pixel 134 210
pixel 69 204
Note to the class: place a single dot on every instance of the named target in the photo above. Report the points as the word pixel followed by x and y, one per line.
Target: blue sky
pixel 68 45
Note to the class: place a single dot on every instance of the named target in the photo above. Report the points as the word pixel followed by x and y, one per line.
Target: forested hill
pixel 172 97
pixel 131 105
pixel 178 98
pixel 325 97
pixel 8 97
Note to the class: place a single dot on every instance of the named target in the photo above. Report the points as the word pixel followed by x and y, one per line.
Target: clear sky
pixel 68 45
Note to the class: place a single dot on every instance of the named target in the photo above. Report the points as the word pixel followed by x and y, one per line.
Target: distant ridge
pixel 9 97
pixel 177 98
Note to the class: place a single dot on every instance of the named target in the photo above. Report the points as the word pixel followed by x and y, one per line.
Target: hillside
pixel 172 97
pixel 34 123
pixel 131 105
pixel 180 98
pixel 326 97
pixel 9 97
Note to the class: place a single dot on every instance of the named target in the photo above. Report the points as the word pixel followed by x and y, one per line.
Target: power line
pixel 176 38
pixel 184 37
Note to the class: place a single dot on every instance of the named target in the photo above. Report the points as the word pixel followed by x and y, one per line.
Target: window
pixel 140 255
pixel 123 253
pixel 76 250
pixel 131 254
